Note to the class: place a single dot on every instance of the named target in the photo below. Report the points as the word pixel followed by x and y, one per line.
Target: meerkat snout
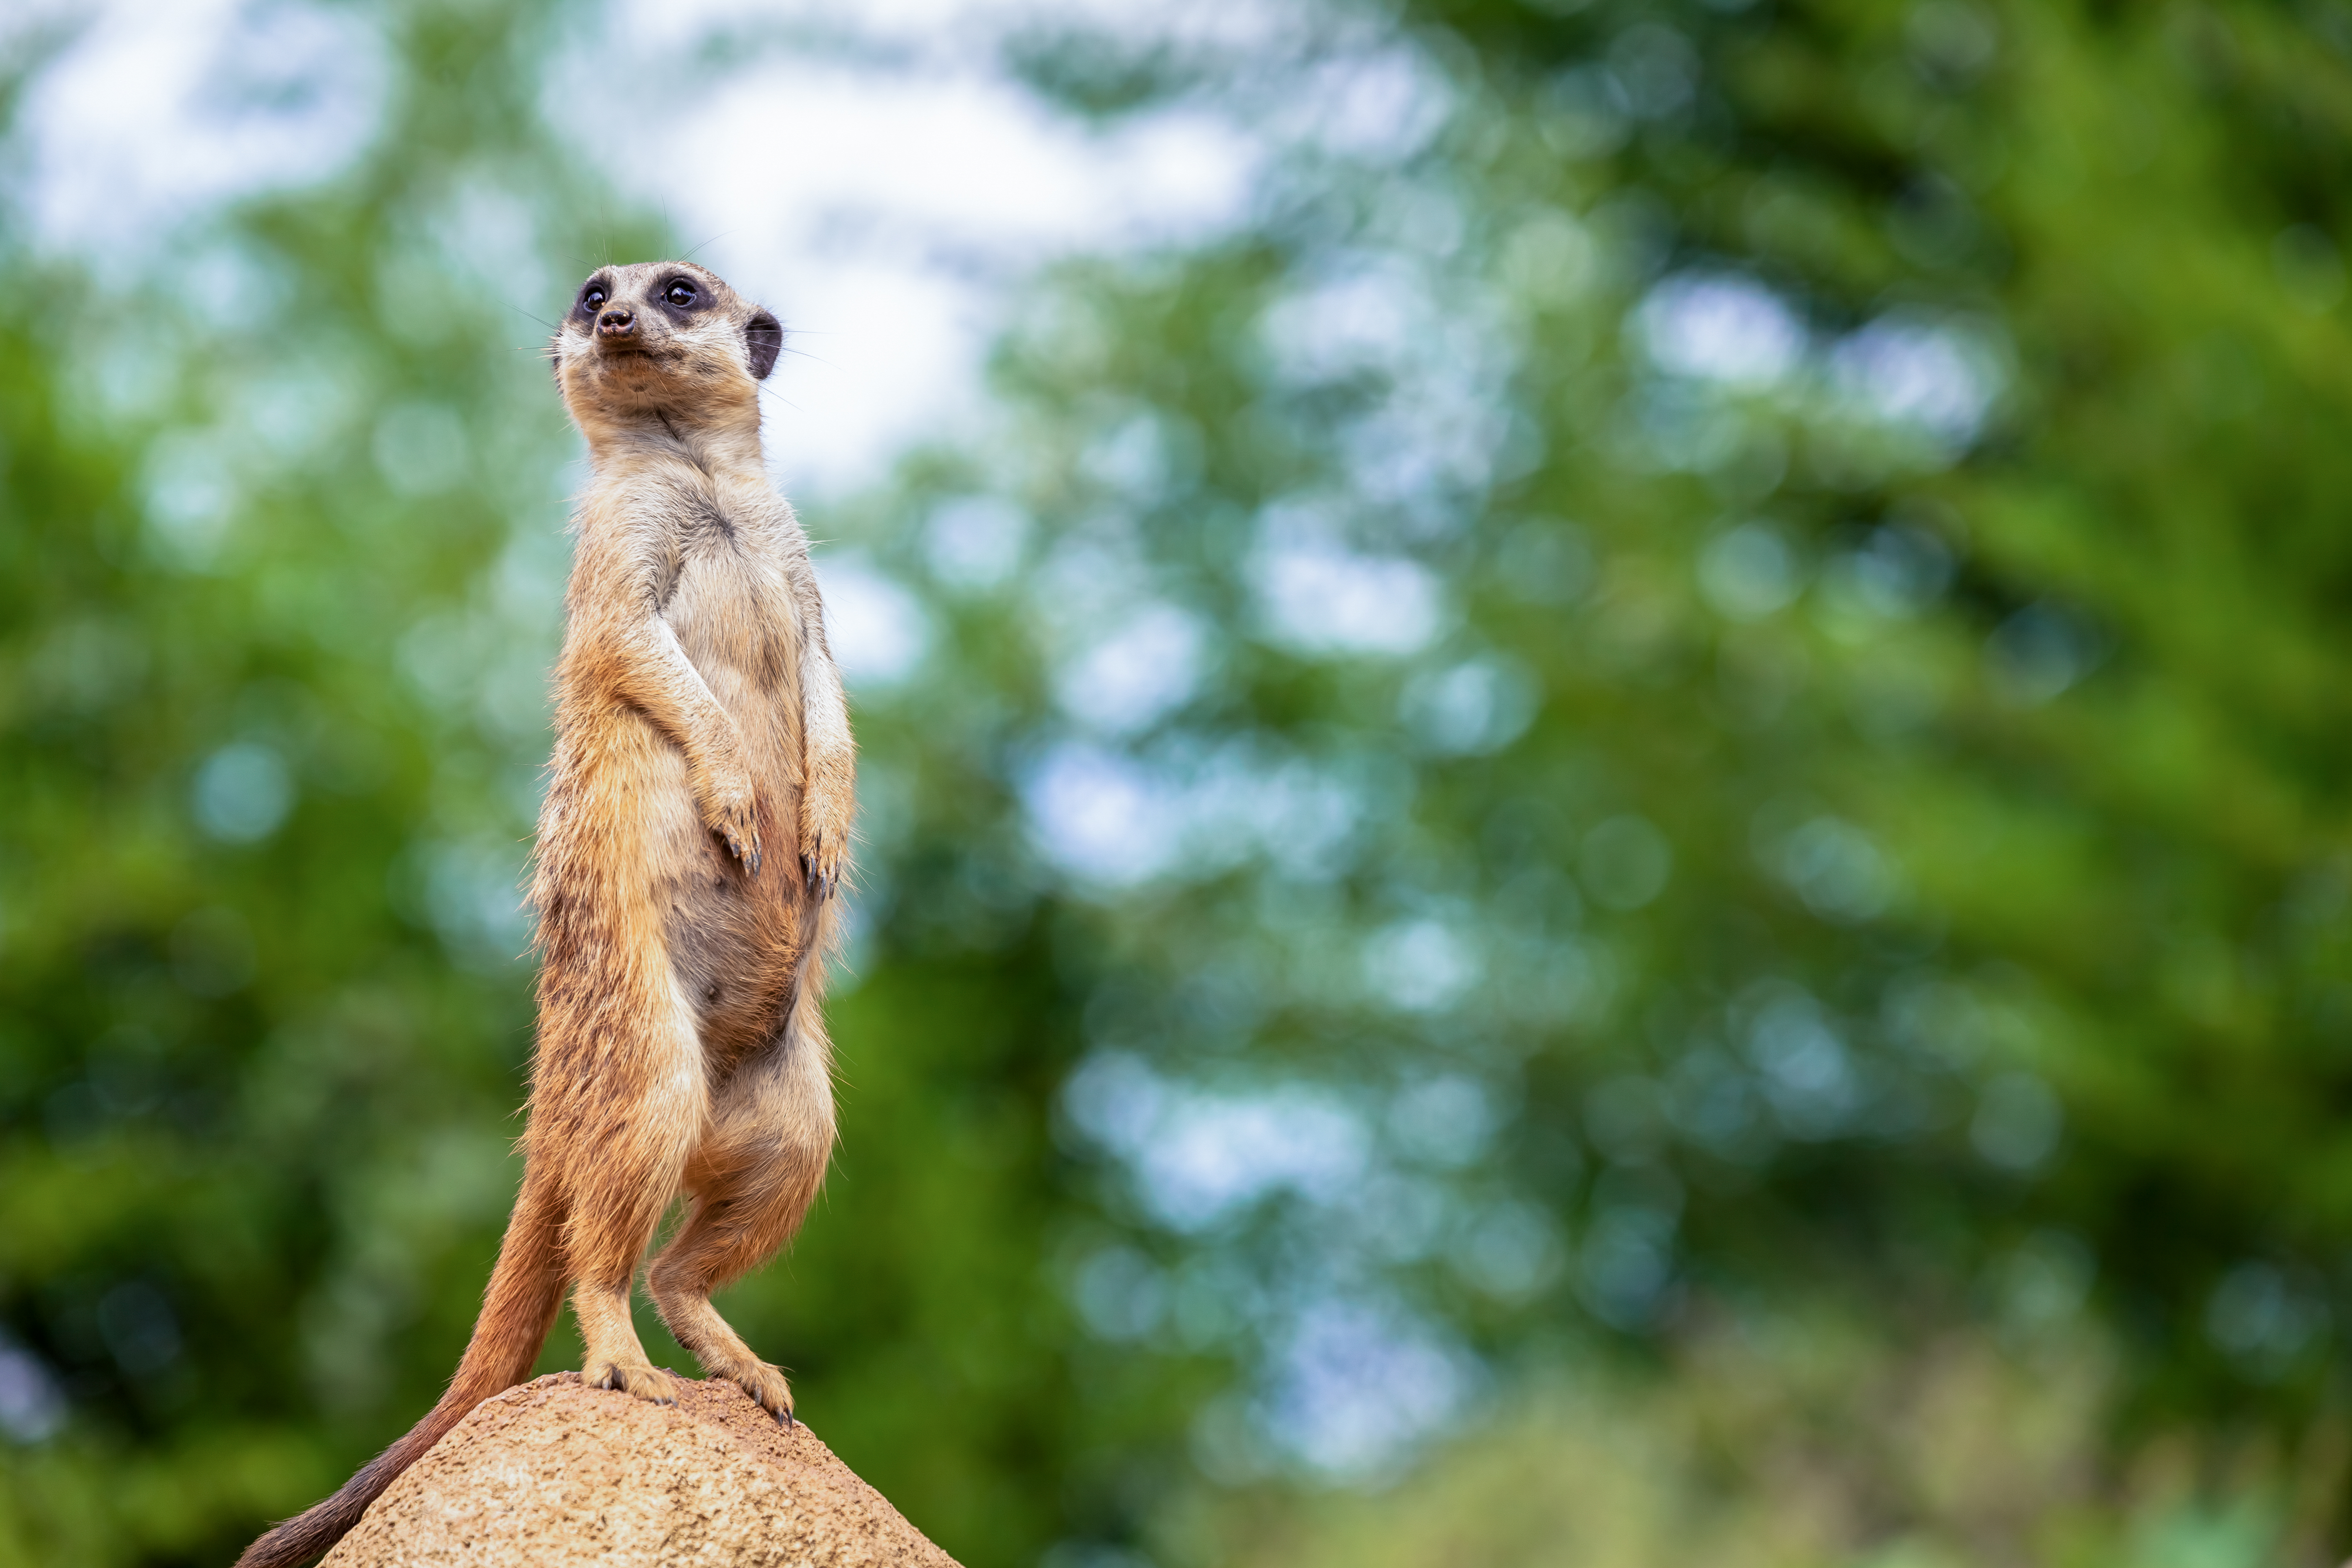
pixel 617 324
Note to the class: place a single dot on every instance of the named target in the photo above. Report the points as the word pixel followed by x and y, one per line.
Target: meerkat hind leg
pixel 752 1182
pixel 631 1132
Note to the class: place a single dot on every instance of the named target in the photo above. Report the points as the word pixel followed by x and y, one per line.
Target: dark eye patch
pixel 594 295
pixel 682 297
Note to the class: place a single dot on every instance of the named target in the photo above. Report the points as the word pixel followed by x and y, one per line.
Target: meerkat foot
pixel 764 1382
pixel 641 1378
pixel 767 1386
pixel 721 1352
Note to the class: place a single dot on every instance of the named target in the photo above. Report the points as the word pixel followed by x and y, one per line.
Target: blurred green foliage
pixel 1981 1452
pixel 1693 685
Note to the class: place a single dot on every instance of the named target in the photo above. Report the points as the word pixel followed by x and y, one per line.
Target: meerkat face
pixel 667 338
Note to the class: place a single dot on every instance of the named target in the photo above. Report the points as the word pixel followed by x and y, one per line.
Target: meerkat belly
pixel 735 939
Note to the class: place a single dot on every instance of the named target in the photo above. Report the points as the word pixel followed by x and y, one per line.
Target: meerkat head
pixel 663 339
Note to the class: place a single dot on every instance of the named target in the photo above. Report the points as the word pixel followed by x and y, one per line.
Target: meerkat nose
pixel 616 324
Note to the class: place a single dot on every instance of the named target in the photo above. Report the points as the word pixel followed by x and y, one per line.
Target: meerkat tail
pixel 526 1292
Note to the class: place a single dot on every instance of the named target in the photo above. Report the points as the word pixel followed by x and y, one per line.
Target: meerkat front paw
pixel 730 808
pixel 820 860
pixel 642 1378
pixel 827 806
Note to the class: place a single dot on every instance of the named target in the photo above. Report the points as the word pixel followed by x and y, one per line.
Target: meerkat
pixel 700 726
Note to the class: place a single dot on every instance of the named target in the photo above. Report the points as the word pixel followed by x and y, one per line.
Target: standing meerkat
pixel 700 728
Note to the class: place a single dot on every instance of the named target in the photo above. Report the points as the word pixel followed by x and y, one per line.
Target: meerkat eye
pixel 680 294
pixel 594 296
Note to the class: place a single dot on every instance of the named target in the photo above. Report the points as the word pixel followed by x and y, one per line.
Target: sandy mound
pixel 553 1472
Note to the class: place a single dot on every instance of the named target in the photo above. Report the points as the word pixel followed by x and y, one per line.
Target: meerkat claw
pixel 749 854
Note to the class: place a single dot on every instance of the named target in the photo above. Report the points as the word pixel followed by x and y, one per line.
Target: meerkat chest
pixel 731 604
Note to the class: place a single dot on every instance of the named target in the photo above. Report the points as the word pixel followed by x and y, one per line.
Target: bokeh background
pixel 1605 755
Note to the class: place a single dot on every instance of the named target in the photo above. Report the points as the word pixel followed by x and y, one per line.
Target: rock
pixel 554 1472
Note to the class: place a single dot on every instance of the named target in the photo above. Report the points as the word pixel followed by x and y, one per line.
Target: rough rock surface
pixel 555 1472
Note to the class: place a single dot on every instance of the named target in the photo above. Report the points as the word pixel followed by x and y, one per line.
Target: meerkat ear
pixel 764 336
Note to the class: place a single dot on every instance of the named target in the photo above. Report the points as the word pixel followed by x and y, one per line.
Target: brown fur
pixel 699 727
